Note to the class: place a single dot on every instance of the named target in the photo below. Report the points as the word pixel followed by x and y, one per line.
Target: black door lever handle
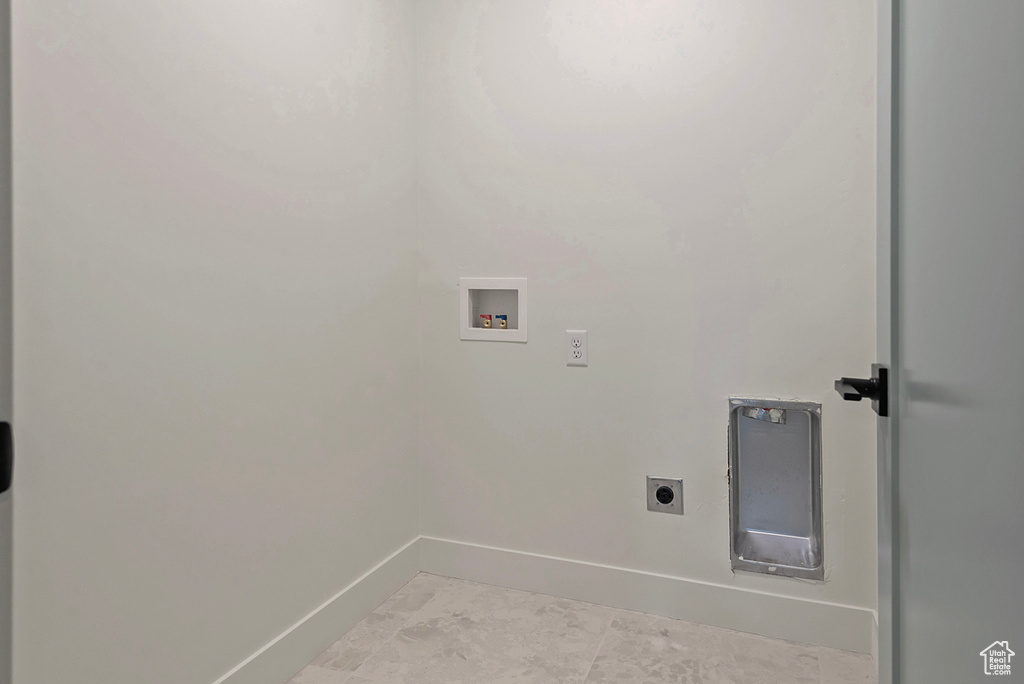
pixel 855 389
pixel 875 388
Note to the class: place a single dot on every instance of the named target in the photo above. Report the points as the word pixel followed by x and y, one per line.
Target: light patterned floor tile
pixel 374 631
pixel 437 630
pixel 748 658
pixel 312 674
pixel 844 667
pixel 474 633
pixel 640 648
pixel 649 649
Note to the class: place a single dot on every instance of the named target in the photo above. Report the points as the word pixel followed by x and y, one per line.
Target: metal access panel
pixel 775 487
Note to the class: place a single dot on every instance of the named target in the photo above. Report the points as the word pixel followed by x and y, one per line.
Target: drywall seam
pixel 417 225
pixel 294 648
pixel 819 623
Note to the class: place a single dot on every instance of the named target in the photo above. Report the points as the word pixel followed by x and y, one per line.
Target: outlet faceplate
pixel 665 495
pixel 576 348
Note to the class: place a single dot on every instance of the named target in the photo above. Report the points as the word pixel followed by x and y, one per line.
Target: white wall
pixel 214 235
pixel 694 184
pixel 220 332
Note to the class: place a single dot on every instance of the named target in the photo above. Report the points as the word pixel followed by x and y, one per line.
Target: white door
pixel 959 352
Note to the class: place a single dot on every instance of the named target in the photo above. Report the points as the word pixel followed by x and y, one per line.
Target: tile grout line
pixel 600 645
pixel 395 633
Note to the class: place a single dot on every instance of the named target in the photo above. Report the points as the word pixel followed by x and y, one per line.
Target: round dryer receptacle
pixel 664 495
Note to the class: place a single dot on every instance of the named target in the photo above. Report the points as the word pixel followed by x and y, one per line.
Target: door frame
pixel 6 337
pixel 887 341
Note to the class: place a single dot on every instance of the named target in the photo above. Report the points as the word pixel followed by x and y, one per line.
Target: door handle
pixel 875 388
pixel 6 456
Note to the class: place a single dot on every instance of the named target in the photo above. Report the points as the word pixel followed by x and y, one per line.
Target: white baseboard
pixel 782 617
pixel 280 659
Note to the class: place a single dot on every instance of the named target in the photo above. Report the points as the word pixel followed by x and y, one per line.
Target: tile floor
pixel 441 630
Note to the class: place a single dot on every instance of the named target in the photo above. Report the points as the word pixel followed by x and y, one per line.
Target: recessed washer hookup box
pixel 775 487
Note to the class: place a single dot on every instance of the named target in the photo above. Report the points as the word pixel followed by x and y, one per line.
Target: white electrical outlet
pixel 576 347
